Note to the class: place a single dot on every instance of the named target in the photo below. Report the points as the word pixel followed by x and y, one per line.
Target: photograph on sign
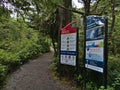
pixel 95 33
pixel 94 21
pixel 68 44
pixel 94 48
pixel 94 55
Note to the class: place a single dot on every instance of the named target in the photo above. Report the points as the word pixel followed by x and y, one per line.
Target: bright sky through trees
pixel 76 4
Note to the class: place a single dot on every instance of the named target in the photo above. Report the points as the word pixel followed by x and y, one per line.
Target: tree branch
pixel 96 5
pixel 104 9
pixel 75 11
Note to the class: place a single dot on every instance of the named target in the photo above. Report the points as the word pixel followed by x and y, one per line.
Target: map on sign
pixel 94 49
pixel 68 44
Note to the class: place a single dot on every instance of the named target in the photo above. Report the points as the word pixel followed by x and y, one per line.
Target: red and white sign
pixel 68 44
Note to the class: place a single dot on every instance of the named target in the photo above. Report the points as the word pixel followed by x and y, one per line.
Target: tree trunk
pixel 87 9
pixel 65 15
pixel 112 24
pixel 87 6
pixel 64 18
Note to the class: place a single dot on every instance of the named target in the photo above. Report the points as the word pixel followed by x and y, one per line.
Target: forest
pixel 29 27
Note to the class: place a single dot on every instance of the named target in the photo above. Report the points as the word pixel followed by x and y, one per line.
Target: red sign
pixel 69 28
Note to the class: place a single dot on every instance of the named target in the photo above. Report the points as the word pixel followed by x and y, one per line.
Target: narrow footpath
pixel 35 75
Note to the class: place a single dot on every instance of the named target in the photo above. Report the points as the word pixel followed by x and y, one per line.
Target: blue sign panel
pixel 94 49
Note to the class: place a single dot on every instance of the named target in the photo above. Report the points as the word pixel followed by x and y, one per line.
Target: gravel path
pixel 35 75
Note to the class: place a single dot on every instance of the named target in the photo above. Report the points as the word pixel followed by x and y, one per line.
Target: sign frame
pixel 105 49
pixel 68 49
pixel 94 43
pixel 76 61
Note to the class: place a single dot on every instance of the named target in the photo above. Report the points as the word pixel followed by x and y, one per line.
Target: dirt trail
pixel 35 75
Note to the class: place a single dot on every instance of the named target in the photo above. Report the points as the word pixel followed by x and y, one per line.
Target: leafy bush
pixel 116 83
pixel 3 74
pixel 18 44
pixel 29 51
pixel 114 72
pixel 45 45
pixel 91 86
pixel 9 59
pixel 113 68
pixel 32 50
pixel 55 64
pixel 18 38
pixel 108 88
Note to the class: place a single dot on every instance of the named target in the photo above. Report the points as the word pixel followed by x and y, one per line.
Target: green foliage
pixel 108 88
pixel 113 68
pixel 114 72
pixel 9 59
pixel 91 86
pixel 116 83
pixel 79 79
pixel 18 44
pixel 55 64
pixel 4 11
pixel 114 41
pixel 30 51
pixel 45 46
pixel 3 74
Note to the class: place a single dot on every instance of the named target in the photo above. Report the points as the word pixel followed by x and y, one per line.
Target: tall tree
pixel 112 2
pixel 65 15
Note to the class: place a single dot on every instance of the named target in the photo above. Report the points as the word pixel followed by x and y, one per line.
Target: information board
pixel 94 48
pixel 68 45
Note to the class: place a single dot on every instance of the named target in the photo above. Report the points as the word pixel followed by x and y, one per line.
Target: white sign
pixel 68 42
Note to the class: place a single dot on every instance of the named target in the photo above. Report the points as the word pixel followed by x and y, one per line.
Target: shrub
pixel 3 74
pixel 29 51
pixel 18 44
pixel 113 68
pixel 45 45
pixel 9 59
pixel 108 88
pixel 91 86
pixel 116 83
pixel 55 64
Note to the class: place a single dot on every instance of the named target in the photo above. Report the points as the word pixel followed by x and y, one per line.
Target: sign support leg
pixel 105 53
